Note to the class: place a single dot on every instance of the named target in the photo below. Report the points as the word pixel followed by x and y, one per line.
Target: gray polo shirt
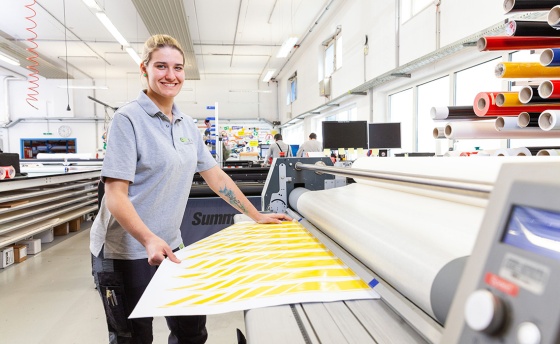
pixel 159 160
pixel 277 147
pixel 309 146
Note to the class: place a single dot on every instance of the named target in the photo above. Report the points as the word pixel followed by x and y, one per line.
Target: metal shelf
pixel 40 203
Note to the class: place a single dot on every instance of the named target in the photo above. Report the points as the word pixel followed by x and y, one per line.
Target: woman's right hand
pixel 158 250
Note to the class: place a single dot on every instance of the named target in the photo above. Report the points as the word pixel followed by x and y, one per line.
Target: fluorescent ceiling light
pixel 9 59
pixel 77 87
pixel 268 75
pixel 112 29
pixel 134 55
pixel 287 46
pixel 93 5
pixel 252 91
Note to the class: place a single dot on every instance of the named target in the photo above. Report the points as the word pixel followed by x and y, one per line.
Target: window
pixel 401 109
pixel 410 8
pixel 293 135
pixel 333 53
pixel 480 78
pixel 292 89
pixel 431 94
pixel 468 83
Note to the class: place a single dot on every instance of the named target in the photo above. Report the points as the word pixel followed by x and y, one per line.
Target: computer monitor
pixel 344 134
pixel 384 135
pixel 263 150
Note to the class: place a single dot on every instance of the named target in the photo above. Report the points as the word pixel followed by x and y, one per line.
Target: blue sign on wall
pixel 210 107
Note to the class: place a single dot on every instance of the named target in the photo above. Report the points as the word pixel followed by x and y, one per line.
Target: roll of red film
pixel 550 89
pixel 7 172
pixel 495 43
pixel 485 104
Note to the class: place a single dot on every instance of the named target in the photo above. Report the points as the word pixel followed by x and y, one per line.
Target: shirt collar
pixel 151 109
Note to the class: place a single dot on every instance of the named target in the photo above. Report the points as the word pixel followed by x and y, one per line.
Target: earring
pixel 145 74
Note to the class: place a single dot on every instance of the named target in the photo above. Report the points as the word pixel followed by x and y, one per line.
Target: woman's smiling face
pixel 166 72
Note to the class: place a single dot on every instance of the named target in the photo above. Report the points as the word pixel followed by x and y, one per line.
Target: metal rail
pixel 453 183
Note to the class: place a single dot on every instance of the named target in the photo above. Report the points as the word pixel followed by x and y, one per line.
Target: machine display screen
pixel 535 230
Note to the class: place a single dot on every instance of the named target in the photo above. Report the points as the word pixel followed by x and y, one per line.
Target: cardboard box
pixel 75 224
pixel 20 253
pixel 33 245
pixel 6 257
pixel 45 236
pixel 62 229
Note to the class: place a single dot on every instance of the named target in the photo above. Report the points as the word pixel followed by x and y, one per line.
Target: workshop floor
pixel 50 298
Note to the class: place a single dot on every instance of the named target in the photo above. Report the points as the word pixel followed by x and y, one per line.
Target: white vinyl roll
pixel 549 152
pixel 521 151
pixel 405 238
pixel 483 170
pixel 506 123
pixel 45 169
pixel 84 156
pixel 548 120
pixel 438 133
pixel 486 130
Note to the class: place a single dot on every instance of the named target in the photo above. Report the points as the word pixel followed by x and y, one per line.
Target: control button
pixel 484 312
pixel 528 333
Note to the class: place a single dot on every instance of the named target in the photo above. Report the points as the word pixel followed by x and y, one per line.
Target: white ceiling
pixel 230 38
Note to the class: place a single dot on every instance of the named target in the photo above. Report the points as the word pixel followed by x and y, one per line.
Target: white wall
pixel 460 19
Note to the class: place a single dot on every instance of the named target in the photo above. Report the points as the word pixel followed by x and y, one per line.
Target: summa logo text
pixel 212 219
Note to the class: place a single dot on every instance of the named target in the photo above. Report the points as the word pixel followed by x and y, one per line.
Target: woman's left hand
pixel 273 218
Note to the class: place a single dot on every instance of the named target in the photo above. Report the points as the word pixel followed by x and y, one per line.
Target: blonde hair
pixel 156 42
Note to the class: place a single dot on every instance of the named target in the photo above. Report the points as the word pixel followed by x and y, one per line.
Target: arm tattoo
pixel 230 195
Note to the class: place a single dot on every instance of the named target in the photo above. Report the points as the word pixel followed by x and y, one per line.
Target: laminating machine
pixel 461 250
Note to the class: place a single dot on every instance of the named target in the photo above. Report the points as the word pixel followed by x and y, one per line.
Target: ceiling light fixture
pixel 268 75
pixel 287 47
pixel 112 29
pixel 104 19
pixel 134 55
pixel 252 91
pixel 9 59
pixel 93 5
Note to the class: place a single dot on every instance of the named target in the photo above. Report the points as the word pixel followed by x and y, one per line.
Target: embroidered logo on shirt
pixel 185 140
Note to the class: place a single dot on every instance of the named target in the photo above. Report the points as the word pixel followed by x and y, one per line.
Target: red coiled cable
pixel 33 75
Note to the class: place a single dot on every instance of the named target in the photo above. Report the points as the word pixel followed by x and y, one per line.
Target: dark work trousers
pixel 121 284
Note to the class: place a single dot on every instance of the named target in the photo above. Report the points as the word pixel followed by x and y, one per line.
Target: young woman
pixel 153 152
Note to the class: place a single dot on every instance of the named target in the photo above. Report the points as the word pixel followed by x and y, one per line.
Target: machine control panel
pixel 517 297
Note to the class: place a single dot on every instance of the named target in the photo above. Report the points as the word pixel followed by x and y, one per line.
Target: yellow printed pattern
pixel 251 261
